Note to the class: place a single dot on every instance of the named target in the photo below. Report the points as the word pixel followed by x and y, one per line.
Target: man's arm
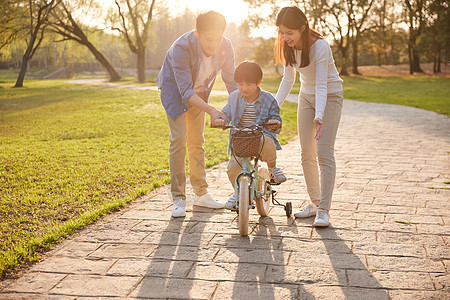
pixel 227 70
pixel 200 104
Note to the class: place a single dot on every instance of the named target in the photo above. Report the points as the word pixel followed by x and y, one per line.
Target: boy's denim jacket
pixel 180 69
pixel 266 108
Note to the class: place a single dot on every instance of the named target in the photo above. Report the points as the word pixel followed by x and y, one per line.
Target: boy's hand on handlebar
pixel 273 127
pixel 215 115
pixel 218 122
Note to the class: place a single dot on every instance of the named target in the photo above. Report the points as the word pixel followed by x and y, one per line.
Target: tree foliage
pixel 132 20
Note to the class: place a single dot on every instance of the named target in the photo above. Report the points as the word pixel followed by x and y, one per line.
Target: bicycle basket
pixel 246 143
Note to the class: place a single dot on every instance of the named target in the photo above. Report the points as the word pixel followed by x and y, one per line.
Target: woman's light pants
pixel 321 150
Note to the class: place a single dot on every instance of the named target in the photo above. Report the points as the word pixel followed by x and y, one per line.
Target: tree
pixel 64 24
pixel 359 11
pixel 39 11
pixel 434 42
pixel 260 54
pixel 11 22
pixel 338 22
pixel 134 27
pixel 415 21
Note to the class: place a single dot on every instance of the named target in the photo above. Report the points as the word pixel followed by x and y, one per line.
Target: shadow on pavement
pixel 174 259
pixel 258 256
pixel 355 280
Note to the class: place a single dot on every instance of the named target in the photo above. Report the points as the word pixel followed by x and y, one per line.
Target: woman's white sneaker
pixel 322 218
pixel 309 211
pixel 179 208
pixel 207 201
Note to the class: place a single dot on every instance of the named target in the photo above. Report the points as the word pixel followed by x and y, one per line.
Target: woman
pixel 304 50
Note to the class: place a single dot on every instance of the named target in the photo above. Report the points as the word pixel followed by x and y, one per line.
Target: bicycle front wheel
pixel 263 203
pixel 243 206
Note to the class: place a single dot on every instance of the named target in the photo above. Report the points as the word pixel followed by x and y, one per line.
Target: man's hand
pixel 274 127
pixel 215 115
pixel 319 128
pixel 218 122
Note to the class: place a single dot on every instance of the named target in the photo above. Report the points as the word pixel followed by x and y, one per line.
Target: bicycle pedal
pixel 272 182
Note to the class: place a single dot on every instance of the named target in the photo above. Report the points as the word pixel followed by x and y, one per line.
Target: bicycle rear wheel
pixel 263 203
pixel 243 206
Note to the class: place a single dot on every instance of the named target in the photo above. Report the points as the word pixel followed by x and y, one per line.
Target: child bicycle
pixel 253 187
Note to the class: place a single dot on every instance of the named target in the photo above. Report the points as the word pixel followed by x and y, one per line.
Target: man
pixel 185 80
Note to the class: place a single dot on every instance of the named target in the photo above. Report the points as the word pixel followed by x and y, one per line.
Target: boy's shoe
pixel 179 208
pixel 322 218
pixel 207 201
pixel 310 210
pixel 277 175
pixel 231 203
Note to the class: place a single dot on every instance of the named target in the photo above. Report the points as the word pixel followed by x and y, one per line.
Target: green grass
pixel 72 153
pixel 430 93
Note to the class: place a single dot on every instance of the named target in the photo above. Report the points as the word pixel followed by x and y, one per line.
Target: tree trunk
pixel 439 63
pixel 25 60
pixel 416 61
pixel 141 65
pixel 344 53
pixel 410 59
pixel 23 71
pixel 355 57
pixel 114 76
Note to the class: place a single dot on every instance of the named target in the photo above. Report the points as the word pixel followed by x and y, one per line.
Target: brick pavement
pixel 389 237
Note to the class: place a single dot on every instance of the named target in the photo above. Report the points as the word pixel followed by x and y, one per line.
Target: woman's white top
pixel 320 77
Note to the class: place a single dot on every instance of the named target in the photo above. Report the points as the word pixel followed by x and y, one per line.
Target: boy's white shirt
pixel 320 77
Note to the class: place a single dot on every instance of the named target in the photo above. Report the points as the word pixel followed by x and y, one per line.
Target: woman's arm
pixel 321 60
pixel 286 84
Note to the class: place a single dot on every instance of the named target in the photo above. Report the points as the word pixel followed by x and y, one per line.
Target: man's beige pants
pixel 268 155
pixel 321 150
pixel 188 130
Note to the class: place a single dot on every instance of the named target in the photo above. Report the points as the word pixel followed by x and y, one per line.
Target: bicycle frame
pixel 251 172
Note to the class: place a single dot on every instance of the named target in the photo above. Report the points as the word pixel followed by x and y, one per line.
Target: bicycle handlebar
pixel 256 126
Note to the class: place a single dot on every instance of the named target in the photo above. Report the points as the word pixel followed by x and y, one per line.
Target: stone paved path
pixel 389 237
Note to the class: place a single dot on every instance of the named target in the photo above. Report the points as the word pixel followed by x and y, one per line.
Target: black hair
pixel 210 20
pixel 293 18
pixel 248 71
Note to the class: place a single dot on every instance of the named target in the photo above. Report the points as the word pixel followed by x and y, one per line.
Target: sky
pixel 233 10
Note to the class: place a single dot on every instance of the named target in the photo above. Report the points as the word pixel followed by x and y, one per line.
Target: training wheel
pixel 288 209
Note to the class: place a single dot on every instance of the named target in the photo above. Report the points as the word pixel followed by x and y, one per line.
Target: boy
pixel 185 81
pixel 247 106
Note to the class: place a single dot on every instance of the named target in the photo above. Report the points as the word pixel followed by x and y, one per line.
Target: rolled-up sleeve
pixel 227 70
pixel 182 72
pixel 274 114
pixel 227 111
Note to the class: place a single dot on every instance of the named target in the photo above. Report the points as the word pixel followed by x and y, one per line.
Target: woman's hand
pixel 319 128
pixel 274 127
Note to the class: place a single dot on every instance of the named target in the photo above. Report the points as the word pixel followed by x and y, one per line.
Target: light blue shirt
pixel 180 69
pixel 266 108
